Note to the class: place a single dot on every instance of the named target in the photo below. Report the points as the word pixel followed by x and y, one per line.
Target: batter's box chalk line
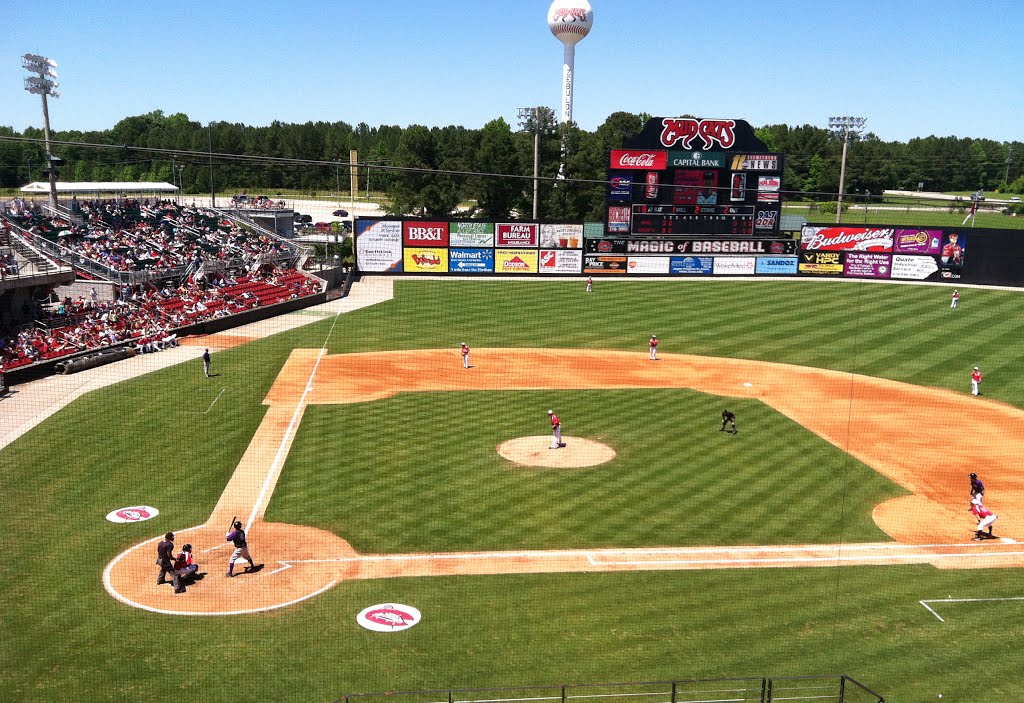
pixel 931 610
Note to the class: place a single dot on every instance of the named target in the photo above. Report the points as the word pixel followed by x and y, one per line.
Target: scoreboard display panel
pixel 690 176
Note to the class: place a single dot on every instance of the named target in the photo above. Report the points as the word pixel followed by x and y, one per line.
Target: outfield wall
pixel 473 247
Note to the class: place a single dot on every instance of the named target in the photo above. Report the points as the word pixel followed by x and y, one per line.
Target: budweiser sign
pixel 846 239
pixel 654 160
pixel 684 130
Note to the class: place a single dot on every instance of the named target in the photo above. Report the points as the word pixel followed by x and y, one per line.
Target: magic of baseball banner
pixel 674 245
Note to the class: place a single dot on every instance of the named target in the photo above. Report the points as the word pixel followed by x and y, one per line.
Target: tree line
pixel 432 171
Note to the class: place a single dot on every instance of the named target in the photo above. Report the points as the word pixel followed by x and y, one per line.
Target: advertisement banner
pixel 379 245
pixel 593 230
pixel 620 186
pixel 701 265
pixel 515 234
pixel 953 256
pixel 755 162
pixel 768 189
pixel 418 260
pixel 734 266
pixel 515 260
pixel 604 264
pixel 618 219
pixel 679 245
pixel 561 261
pixel 917 241
pixel 914 268
pixel 639 159
pixel 425 234
pixel 842 238
pixel 561 236
pixel 471 234
pixel 648 264
pixel 776 265
pixel 865 265
pixel 651 185
pixel 738 188
pixel 766 220
pixel 698 159
pixel 471 260
pixel 821 263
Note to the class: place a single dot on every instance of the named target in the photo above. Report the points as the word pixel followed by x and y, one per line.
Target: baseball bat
pixel 232 525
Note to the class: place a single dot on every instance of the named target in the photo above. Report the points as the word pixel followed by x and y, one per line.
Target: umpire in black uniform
pixel 165 560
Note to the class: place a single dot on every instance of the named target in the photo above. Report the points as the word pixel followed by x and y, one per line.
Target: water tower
pixel 569 21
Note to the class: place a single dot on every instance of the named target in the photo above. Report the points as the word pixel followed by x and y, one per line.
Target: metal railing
pixel 839 688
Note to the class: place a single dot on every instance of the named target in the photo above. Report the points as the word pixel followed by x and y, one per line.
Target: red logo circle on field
pixel 390 617
pixel 137 513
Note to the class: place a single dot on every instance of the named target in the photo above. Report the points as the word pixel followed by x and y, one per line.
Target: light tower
pixel 845 127
pixel 570 21
pixel 40 83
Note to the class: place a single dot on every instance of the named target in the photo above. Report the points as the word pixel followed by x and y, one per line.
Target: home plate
pixel 748 384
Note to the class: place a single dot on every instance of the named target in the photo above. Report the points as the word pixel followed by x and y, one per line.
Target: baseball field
pixel 829 535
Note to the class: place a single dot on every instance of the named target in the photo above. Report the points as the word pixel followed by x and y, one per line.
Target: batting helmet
pixel 238 524
pixel 974 475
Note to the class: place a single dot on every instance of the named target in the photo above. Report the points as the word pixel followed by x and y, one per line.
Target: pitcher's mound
pixel 576 452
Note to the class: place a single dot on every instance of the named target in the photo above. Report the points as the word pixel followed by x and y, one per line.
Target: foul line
pixel 277 463
pixel 962 600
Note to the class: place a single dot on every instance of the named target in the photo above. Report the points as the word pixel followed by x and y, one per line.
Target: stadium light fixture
pixel 843 127
pixel 42 83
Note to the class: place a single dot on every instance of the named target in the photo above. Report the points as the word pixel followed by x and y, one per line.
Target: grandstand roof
pixel 102 187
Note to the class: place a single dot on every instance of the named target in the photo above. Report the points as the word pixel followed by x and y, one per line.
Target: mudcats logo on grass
pixel 136 513
pixel 388 617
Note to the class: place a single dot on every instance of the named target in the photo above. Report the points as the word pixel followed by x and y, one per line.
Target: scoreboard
pixel 693 219
pixel 690 176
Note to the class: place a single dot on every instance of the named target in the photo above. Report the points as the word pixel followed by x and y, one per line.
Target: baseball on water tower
pixel 570 20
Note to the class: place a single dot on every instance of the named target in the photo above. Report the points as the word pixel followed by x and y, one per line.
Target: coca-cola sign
pixel 683 130
pixel 649 159
pixel 846 239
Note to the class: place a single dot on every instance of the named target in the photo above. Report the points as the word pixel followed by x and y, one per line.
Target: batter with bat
pixel 237 537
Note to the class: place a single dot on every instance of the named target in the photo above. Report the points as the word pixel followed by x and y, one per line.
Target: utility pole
pixel 40 83
pixel 213 190
pixel 529 120
pixel 1009 158
pixel 844 127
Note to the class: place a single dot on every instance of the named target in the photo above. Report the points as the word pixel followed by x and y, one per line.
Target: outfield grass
pixel 62 638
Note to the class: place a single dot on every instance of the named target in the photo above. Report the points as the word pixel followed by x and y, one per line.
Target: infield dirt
pixel 898 429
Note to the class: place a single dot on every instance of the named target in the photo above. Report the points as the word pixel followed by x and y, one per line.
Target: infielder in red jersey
pixel 465 356
pixel 654 347
pixel 976 381
pixel 985 518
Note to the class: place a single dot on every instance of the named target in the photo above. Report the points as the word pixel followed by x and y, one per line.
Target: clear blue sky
pixel 912 68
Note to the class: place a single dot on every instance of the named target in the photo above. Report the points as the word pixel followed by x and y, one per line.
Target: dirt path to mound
pixel 900 430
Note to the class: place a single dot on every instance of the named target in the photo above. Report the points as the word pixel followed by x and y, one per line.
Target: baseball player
pixel 956 298
pixel 590 284
pixel 465 356
pixel 556 431
pixel 237 537
pixel 952 252
pixel 654 347
pixel 730 418
pixel 183 565
pixel 976 381
pixel 985 519
pixel 977 487
pixel 206 363
pixel 165 560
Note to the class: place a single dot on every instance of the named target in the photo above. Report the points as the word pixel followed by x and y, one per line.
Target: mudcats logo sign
pixel 390 617
pixel 685 129
pixel 136 513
